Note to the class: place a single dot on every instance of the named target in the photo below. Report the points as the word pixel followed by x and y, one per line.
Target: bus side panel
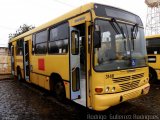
pixel 155 65
pixel 33 78
pixel 44 66
pixel 59 64
pixel 19 63
pixel 158 74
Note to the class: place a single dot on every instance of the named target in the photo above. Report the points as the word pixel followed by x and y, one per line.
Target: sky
pixel 36 12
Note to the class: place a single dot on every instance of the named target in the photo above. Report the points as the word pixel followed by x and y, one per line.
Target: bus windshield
pixel 153 46
pixel 118 47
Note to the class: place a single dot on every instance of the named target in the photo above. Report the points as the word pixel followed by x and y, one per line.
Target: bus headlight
pixel 113 89
pixel 107 89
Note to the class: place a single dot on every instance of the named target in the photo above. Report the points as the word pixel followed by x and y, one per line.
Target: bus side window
pixel 75 43
pixel 75 80
pixel 19 47
pixel 58 39
pixel 40 42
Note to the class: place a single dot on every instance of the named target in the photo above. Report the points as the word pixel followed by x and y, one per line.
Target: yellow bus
pixel 94 55
pixel 153 51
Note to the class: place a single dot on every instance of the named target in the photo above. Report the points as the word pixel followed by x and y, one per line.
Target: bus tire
pixel 59 91
pixel 57 87
pixel 19 74
pixel 152 75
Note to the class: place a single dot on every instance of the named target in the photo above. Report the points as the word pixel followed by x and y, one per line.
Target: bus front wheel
pixel 152 75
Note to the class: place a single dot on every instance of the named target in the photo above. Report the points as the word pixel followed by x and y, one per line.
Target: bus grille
pixel 137 76
pixel 127 78
pixel 129 85
pixel 121 79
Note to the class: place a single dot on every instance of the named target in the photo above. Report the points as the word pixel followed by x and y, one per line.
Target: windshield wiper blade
pixel 113 20
pixel 114 27
pixel 134 31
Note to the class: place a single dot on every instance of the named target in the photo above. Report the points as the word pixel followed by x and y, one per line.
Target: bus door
pixel 12 60
pixel 75 63
pixel 88 62
pixel 26 60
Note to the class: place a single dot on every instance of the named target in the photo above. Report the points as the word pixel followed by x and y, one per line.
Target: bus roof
pixel 153 36
pixel 66 16
pixel 74 12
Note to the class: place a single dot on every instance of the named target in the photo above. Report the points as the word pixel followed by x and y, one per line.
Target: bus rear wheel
pixel 152 75
pixel 59 91
pixel 19 75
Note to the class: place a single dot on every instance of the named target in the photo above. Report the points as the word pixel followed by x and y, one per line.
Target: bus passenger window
pixel 19 47
pixel 58 40
pixel 41 42
pixel 75 43
pixel 75 80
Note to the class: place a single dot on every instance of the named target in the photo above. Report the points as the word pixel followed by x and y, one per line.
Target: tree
pixel 22 29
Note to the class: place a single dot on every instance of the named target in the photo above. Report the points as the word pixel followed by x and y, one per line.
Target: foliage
pixel 22 29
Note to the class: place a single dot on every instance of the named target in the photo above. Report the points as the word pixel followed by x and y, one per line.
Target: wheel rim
pixel 19 77
pixel 59 92
pixel 59 89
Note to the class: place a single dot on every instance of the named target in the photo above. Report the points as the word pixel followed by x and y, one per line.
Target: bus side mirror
pixel 97 39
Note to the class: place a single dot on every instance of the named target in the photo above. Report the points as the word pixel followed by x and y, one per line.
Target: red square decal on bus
pixel 41 65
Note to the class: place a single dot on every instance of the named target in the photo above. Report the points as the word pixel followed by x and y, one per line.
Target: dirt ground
pixel 22 101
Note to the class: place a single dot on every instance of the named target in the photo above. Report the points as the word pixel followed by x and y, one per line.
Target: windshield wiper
pixel 119 30
pixel 134 31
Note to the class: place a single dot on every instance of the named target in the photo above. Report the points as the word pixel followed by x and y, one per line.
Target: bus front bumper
pixel 102 102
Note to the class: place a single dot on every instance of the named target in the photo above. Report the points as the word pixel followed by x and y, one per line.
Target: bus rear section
pixel 153 52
